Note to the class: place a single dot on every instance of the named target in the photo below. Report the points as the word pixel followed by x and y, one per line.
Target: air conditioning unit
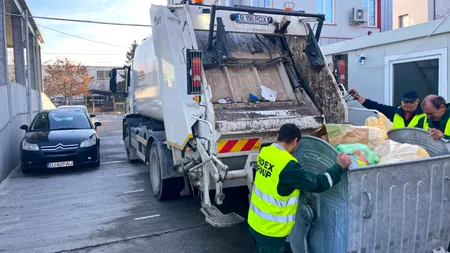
pixel 358 16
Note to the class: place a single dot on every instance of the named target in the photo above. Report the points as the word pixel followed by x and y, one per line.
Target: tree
pixel 67 79
pixel 130 54
pixel 128 58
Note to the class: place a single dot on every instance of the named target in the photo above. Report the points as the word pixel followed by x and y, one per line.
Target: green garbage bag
pixel 362 153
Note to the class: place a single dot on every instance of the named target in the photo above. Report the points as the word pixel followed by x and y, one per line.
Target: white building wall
pixel 373 77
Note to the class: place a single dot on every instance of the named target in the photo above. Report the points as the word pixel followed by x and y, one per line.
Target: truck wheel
pixel 158 162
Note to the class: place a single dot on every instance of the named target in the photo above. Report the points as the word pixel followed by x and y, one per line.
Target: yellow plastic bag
pixel 381 122
pixel 391 151
pixel 348 134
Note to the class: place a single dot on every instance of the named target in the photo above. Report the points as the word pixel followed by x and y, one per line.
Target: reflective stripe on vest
pixel 271 217
pixel 399 122
pixel 271 214
pixel 272 200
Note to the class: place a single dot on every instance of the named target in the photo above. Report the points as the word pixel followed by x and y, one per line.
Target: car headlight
pixel 29 146
pixel 89 143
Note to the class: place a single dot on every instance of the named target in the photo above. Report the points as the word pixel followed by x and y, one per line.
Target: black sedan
pixel 60 138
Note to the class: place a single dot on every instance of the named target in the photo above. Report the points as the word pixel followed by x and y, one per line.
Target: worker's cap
pixel 410 96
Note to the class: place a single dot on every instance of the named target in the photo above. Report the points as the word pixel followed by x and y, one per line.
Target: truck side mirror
pixel 113 80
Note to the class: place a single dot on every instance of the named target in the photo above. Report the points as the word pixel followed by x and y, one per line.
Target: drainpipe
pixel 27 43
pixel 434 9
pixel 38 68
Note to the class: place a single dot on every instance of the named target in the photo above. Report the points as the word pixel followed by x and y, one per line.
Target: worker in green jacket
pixel 406 115
pixel 276 190
pixel 438 115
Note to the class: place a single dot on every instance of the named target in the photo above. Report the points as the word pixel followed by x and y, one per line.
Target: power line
pixel 79 20
pixel 68 34
pixel 78 54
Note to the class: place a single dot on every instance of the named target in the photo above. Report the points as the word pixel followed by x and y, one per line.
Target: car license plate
pixel 252 19
pixel 60 164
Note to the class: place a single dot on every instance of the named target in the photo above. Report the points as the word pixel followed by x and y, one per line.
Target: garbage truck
pixel 213 84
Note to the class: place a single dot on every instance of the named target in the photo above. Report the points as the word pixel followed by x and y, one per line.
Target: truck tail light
pixel 197 1
pixel 194 72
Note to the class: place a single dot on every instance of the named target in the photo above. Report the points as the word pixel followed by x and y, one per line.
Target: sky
pixel 117 11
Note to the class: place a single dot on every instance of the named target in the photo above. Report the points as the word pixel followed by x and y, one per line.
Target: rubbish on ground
pixel 268 94
pixel 391 151
pixel 362 153
pixel 225 101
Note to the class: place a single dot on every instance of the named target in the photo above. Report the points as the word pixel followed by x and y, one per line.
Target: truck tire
pixel 158 162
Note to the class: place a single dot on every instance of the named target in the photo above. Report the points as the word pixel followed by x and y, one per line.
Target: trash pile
pixel 369 144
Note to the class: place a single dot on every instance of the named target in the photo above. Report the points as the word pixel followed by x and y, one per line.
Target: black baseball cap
pixel 410 96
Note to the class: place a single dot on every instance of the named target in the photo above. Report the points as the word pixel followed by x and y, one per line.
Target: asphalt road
pixel 110 209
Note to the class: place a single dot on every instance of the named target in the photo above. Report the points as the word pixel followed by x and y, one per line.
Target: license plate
pixel 252 19
pixel 60 164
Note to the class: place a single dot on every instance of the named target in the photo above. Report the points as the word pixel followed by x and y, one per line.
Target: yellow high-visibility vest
pixel 271 214
pixel 399 122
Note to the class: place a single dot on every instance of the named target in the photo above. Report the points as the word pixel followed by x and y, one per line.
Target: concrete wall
pixel 370 79
pixel 14 113
pixel 10 133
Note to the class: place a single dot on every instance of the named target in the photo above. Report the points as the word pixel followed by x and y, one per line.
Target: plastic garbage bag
pixel 362 153
pixel 391 151
pixel 381 122
pixel 347 134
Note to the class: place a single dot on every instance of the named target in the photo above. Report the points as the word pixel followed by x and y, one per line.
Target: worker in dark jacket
pixel 438 115
pixel 276 190
pixel 406 115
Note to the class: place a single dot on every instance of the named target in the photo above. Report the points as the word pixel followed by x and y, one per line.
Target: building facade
pixel 339 15
pixel 407 14
pixel 395 61
pixel 21 96
pixel 100 76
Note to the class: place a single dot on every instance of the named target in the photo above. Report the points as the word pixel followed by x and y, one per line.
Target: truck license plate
pixel 60 164
pixel 252 19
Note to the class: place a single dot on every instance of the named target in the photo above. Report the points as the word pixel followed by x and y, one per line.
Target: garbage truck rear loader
pixel 212 85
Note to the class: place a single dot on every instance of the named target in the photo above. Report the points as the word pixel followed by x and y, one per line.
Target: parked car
pixel 60 138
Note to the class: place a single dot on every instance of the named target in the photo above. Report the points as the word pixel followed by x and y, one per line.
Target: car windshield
pixel 60 120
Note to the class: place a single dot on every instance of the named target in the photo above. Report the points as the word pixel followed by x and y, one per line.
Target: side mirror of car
pixel 97 124
pixel 24 127
pixel 92 115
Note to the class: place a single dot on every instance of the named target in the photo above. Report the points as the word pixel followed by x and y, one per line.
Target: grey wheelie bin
pixel 398 207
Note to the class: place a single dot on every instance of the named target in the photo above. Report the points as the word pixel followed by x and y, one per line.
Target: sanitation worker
pixel 406 115
pixel 438 114
pixel 278 181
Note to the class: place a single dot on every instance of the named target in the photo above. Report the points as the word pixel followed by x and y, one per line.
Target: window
pixel 102 75
pixel 326 7
pixel 403 21
pixel 268 4
pixel 371 7
pixel 60 120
